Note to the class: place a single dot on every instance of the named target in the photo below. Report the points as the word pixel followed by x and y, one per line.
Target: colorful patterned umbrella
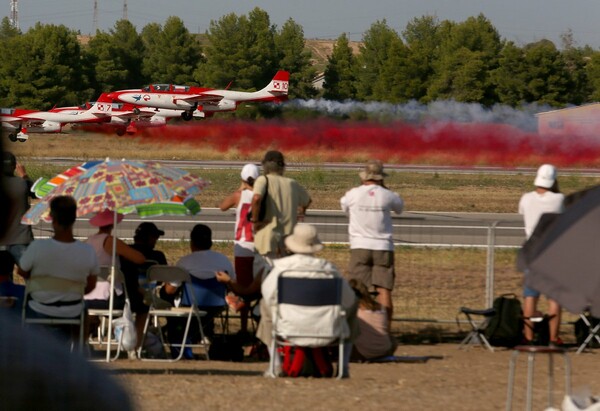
pixel 145 187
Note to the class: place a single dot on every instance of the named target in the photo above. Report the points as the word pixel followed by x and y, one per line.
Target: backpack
pixel 505 328
pixel 226 348
pixel 306 362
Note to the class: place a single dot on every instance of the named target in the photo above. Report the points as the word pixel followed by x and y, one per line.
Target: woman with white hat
pixel 102 242
pixel 243 249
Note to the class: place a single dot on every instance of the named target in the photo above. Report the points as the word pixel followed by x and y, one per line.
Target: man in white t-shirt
pixel 369 207
pixel 61 257
pixel 546 198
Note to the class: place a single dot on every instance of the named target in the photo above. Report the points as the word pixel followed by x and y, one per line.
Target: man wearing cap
pixel 285 203
pixel 546 198
pixel 144 240
pixel 369 207
pixel 18 187
pixel 304 243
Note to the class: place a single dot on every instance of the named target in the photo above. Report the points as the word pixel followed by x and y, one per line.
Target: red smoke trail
pixel 448 143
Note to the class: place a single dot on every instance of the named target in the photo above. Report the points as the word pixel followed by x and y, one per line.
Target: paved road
pixel 411 228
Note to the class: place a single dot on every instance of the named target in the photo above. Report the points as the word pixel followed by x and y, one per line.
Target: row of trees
pixel 466 62
pixel 47 65
pixel 430 60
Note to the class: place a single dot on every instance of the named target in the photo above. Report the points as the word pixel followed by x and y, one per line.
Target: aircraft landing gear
pixel 120 132
pixel 13 137
pixel 187 115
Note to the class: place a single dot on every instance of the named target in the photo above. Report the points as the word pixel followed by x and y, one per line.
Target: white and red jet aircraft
pixel 191 99
pixel 21 122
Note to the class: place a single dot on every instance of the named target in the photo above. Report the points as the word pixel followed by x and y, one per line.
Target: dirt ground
pixel 462 379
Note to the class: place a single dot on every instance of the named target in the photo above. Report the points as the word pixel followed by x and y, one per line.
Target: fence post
pixel 489 278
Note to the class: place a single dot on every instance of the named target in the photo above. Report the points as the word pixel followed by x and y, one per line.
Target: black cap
pixel 148 229
pixel 274 156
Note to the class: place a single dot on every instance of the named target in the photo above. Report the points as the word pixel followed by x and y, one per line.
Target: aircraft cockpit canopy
pixel 117 106
pixel 7 110
pixel 181 88
pixel 160 87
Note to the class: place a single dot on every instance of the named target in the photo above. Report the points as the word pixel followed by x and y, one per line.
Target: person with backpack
pixel 546 198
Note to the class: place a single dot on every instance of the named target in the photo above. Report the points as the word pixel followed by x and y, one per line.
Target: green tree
pixel 547 79
pixel 509 76
pixel 44 69
pixel 7 30
pixel 294 57
pixel 116 58
pixel 592 69
pixel 241 49
pixel 422 37
pixel 468 53
pixel 172 53
pixel 340 76
pixel 374 52
pixel 575 59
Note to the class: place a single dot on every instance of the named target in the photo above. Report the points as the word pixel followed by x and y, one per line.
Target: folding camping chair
pixel 47 283
pixel 477 333
pixel 593 332
pixel 308 308
pixel 210 297
pixel 103 314
pixel 158 274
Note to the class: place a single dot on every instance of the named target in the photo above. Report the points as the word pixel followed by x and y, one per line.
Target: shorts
pixel 373 267
pixel 530 292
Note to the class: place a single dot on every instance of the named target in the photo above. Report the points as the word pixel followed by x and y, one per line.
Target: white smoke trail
pixel 415 112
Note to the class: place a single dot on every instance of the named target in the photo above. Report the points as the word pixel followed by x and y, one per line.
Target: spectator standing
pixel 18 188
pixel 285 204
pixel 546 198
pixel 369 207
pixel 243 248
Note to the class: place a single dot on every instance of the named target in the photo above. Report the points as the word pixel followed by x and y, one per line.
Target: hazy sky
pixel 522 21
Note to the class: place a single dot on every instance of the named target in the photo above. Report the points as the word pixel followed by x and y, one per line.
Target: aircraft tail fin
pixel 279 85
pixel 102 106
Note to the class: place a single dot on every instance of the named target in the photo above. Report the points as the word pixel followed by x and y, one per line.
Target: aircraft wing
pixel 201 98
pixel 28 121
pixel 129 114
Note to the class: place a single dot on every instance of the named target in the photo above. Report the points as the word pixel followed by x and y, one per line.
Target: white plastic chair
pixel 47 283
pixel 103 315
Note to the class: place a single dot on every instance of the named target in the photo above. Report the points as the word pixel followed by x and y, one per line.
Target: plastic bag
pixel 125 329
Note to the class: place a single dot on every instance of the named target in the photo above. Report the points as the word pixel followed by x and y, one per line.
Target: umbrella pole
pixel 112 287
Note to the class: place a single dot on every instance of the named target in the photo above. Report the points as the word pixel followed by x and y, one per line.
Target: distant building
pixel 573 121
pixel 318 81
